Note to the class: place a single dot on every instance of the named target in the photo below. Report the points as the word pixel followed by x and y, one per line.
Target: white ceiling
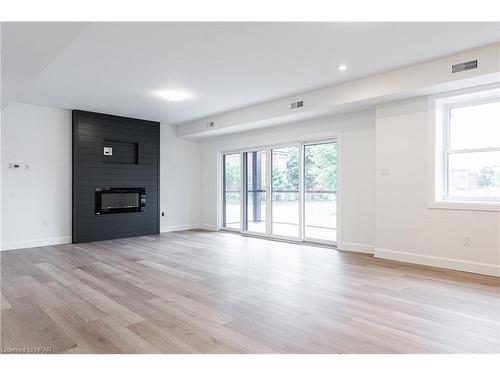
pixel 118 67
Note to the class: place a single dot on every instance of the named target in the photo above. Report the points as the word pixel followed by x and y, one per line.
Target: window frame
pixel 441 107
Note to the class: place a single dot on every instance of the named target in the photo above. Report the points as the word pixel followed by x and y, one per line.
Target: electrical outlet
pixel 467 240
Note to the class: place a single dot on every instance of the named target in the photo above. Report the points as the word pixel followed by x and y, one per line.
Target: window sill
pixel 465 205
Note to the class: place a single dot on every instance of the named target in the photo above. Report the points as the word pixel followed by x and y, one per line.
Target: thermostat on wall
pixel 15 165
pixel 108 151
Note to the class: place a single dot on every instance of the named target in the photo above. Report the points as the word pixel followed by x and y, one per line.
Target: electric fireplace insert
pixel 119 200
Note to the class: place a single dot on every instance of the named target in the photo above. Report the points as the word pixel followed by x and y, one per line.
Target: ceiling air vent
pixel 297 104
pixel 462 67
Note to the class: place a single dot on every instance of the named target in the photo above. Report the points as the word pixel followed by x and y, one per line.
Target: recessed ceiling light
pixel 342 67
pixel 174 95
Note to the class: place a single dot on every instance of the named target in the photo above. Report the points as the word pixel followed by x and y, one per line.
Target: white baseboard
pixel 356 247
pixel 176 228
pixel 433 261
pixel 208 227
pixel 35 243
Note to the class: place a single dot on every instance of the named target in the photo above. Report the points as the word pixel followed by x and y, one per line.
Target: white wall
pixel 180 181
pixel 386 211
pixel 358 135
pixel 39 137
pixel 406 228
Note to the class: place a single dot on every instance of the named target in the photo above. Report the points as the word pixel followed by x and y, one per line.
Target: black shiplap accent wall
pixel 93 131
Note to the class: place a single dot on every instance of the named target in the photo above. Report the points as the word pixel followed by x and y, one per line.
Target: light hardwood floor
pixel 206 292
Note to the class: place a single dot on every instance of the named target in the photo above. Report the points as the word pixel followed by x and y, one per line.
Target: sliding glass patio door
pixel 255 193
pixel 320 192
pixel 231 194
pixel 287 191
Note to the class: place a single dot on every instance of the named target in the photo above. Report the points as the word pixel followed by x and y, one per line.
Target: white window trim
pixel 439 106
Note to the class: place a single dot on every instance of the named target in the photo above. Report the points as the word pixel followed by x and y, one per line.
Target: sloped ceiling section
pixel 27 49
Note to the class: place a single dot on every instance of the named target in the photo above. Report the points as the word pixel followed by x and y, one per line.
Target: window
pixel 231 191
pixel 469 132
pixel 320 190
pixel 286 191
pixel 254 208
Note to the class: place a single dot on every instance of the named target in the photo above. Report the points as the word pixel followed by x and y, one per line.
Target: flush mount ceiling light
pixel 342 67
pixel 174 95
